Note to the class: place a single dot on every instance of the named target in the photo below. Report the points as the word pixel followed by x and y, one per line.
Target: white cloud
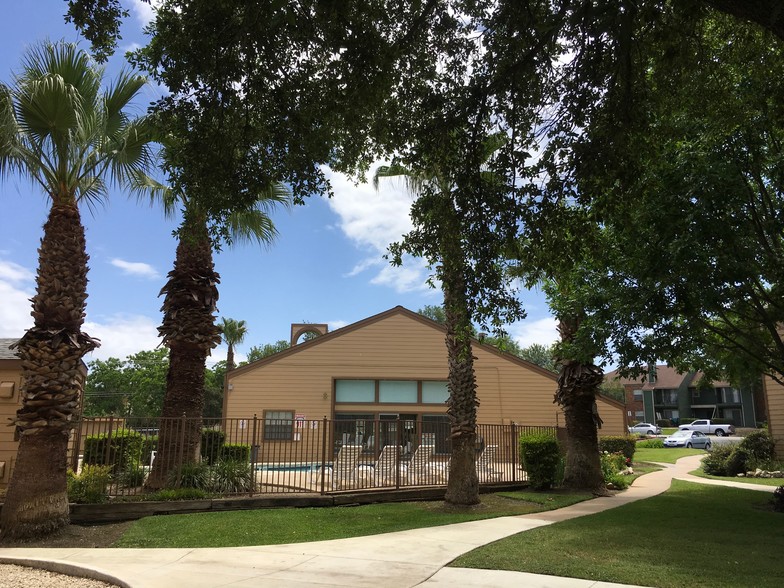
pixel 16 289
pixel 144 11
pixel 543 331
pixel 335 325
pixel 122 335
pixel 136 268
pixel 373 219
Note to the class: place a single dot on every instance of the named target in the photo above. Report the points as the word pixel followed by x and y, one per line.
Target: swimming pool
pixel 287 467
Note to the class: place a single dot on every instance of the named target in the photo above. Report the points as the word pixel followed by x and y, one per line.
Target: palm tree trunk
pixel 463 483
pixel 230 358
pixel 190 332
pixel 51 353
pixel 578 385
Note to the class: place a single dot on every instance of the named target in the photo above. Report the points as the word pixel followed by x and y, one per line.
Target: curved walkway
pixel 402 559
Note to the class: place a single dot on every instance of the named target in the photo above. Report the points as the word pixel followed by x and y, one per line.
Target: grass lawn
pixel 760 481
pixel 295 525
pixel 664 455
pixel 692 535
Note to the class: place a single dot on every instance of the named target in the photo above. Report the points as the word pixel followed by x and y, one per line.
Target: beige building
pixel 386 369
pixel 10 382
pixel 774 400
pixel 10 401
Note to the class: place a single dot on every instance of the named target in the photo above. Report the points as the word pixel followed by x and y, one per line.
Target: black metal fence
pixel 268 455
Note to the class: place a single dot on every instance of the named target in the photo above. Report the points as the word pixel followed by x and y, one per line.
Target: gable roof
pixel 5 351
pixel 667 377
pixel 397 310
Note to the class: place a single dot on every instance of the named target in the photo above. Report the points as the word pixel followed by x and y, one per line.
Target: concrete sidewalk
pixel 403 559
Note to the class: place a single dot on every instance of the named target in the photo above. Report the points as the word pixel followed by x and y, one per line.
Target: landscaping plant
pixel 540 456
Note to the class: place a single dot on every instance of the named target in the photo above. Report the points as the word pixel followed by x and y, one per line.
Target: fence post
pixel 253 457
pixel 323 453
pixel 184 424
pixel 108 442
pixel 77 444
pixel 514 451
pixel 398 435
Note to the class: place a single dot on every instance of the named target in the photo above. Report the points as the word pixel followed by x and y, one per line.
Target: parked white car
pixel 645 429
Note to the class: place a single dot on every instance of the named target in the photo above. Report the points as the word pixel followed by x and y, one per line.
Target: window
pixel 639 415
pixel 278 425
pixel 397 391
pixel 638 394
pixel 355 391
pixel 434 392
pixel 730 396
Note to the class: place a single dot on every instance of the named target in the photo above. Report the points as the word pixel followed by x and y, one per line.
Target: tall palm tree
pixel 434 194
pixel 188 328
pixel 234 332
pixel 59 128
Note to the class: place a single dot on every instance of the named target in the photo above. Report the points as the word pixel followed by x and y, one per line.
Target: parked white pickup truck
pixel 709 428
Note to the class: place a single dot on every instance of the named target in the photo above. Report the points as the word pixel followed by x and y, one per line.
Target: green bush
pixel 178 494
pixel 540 457
pixel 618 481
pixel 191 475
pixel 612 463
pixel 715 464
pixel 235 452
pixel 89 486
pixel 651 444
pixel 212 441
pixel 132 477
pixel 120 449
pixel 759 446
pixel 230 477
pixel 739 461
pixel 618 443
pixel 664 423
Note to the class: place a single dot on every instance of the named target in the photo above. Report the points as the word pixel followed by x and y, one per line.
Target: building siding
pixel 396 346
pixel 774 395
pixel 9 372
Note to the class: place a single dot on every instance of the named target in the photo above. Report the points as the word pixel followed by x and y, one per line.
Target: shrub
pixel 540 456
pixel 651 444
pixel 230 477
pixel 178 494
pixel 618 443
pixel 778 499
pixel 739 462
pixel 612 463
pixel 212 441
pixel 664 423
pixel 89 487
pixel 191 475
pixel 119 449
pixel 235 452
pixel 132 477
pixel 759 446
pixel 715 464
pixel 618 481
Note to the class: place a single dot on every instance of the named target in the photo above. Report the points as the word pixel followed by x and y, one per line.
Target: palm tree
pixel 233 334
pixel 188 328
pixel 434 194
pixel 60 129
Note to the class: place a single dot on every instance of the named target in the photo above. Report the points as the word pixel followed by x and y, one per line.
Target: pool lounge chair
pixel 418 471
pixel 383 471
pixel 343 471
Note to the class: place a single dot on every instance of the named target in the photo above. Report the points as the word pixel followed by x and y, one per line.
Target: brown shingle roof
pixel 666 377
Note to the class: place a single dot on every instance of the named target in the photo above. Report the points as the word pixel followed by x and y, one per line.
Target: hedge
pixel 212 441
pixel 235 452
pixel 540 457
pixel 618 444
pixel 121 449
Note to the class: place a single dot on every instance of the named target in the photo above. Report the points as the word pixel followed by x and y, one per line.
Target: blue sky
pixel 326 266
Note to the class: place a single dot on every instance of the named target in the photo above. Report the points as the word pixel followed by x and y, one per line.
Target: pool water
pixel 285 467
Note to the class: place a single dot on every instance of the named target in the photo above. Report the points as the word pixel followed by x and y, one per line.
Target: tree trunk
pixel 190 332
pixel 230 358
pixel 51 353
pixel 578 384
pixel 463 484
